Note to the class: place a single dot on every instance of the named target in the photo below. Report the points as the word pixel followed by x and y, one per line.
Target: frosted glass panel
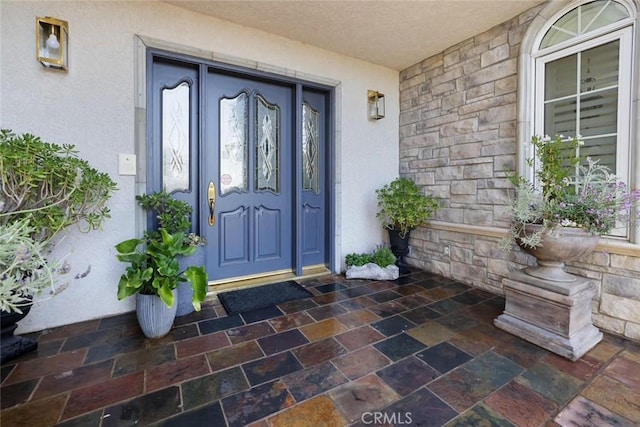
pixel 267 146
pixel 603 149
pixel 599 113
pixel 599 67
pixel 310 148
pixel 175 138
pixel 560 117
pixel 583 19
pixel 560 77
pixel 234 124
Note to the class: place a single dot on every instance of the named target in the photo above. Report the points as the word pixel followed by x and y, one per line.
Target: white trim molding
pixel 526 106
pixel 612 246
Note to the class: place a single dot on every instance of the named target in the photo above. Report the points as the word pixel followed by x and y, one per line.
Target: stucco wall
pixel 458 140
pixel 92 106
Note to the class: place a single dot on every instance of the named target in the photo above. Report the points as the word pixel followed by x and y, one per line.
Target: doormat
pixel 262 296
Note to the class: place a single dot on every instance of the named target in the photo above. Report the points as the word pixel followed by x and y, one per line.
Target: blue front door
pixel 247 159
pixel 250 154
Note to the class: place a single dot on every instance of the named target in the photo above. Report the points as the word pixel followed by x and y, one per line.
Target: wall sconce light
pixel 375 105
pixel 52 36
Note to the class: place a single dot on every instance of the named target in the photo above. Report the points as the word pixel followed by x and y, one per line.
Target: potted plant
pixel 44 188
pixel 403 207
pixel 20 257
pixel 174 216
pixel 379 265
pixel 153 276
pixel 559 218
pixel 575 201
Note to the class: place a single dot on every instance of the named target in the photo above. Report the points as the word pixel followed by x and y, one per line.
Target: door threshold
pixel 218 286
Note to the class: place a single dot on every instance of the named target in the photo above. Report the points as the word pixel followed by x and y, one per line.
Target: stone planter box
pixel 373 271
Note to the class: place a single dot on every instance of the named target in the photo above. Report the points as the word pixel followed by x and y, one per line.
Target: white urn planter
pixel 154 317
pixel 562 245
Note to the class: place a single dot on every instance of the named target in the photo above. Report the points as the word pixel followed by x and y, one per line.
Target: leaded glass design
pixel 267 146
pixel 175 138
pixel 310 148
pixel 234 156
pixel 583 19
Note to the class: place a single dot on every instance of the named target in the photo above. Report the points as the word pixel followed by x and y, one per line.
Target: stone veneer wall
pixel 458 141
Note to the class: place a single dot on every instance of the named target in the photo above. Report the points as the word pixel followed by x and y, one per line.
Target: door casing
pixel 299 88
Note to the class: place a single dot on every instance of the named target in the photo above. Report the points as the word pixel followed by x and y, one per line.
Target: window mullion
pixel 578 91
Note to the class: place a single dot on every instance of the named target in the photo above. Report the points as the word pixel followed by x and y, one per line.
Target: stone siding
pixel 458 141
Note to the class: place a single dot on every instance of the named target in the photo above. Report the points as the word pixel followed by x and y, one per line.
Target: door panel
pixel 172 163
pixel 248 142
pixel 315 238
pixel 312 224
pixel 267 224
pixel 234 229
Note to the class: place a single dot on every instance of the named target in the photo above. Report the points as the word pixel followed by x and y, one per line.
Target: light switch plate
pixel 126 164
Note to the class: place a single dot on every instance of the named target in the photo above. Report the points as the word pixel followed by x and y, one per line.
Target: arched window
pixel 581 64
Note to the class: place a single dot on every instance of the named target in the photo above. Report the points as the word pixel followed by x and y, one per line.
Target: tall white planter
pixel 154 317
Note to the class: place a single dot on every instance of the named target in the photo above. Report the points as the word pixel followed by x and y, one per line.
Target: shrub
pixel 382 256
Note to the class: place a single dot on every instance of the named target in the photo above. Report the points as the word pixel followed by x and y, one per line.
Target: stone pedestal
pixel 553 315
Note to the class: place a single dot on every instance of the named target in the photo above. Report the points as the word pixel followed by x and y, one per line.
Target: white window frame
pixel 531 87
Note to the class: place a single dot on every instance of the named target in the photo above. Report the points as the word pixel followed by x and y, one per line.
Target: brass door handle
pixel 212 203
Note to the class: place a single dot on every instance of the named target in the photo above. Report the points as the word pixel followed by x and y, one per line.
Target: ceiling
pixel 392 33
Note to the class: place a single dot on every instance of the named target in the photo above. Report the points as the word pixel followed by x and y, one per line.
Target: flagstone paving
pixel 420 350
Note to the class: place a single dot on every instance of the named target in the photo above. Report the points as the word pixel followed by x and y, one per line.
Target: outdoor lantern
pixel 52 37
pixel 375 103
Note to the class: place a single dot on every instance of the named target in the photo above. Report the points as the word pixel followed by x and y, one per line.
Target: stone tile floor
pixel 421 350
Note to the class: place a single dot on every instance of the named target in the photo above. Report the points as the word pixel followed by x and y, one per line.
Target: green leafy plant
pixel 173 215
pixel 383 257
pixel 556 163
pixel 403 207
pixel 357 259
pixel 50 186
pixel 24 269
pixel 44 188
pixel 154 259
pixel 154 268
pixel 570 192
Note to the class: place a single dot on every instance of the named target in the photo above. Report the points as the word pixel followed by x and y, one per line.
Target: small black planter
pixel 14 345
pixel 400 248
